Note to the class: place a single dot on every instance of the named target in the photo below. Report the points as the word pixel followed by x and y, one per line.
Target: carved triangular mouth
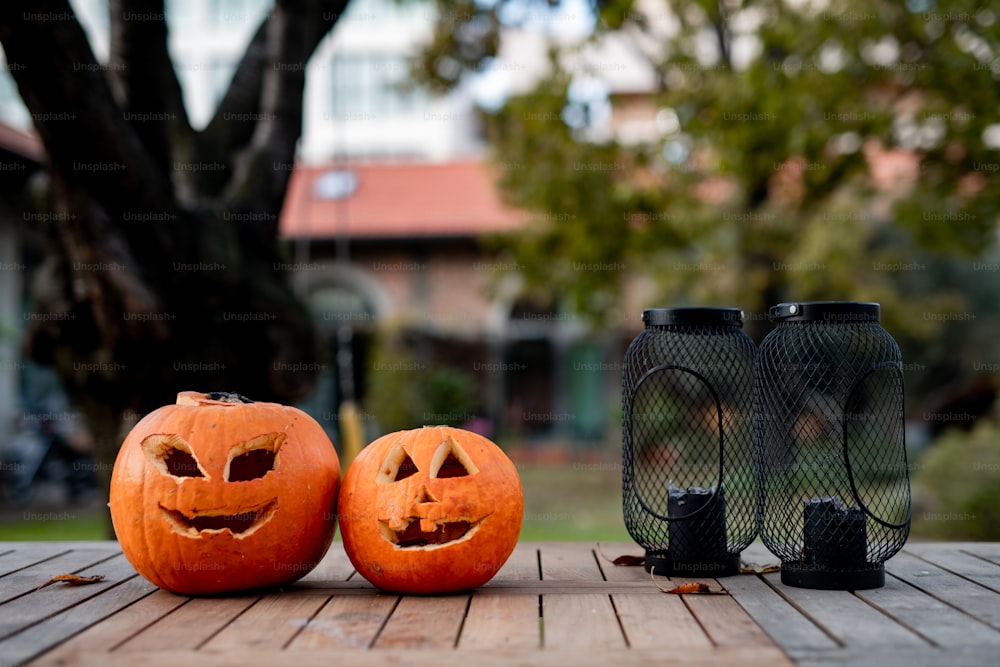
pixel 240 525
pixel 413 535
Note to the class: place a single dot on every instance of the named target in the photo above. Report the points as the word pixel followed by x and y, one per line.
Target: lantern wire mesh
pixel 834 487
pixel 688 464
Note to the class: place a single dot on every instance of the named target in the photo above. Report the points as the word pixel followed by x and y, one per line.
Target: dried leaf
pixel 626 559
pixel 72 580
pixel 755 568
pixel 690 588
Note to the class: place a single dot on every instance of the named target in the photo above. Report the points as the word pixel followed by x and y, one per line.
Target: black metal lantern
pixel 688 479
pixel 834 486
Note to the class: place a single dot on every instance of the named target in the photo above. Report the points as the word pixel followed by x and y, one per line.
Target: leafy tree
pixel 803 150
pixel 163 271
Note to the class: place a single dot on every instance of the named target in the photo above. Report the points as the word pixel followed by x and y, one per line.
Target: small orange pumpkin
pixel 431 510
pixel 219 493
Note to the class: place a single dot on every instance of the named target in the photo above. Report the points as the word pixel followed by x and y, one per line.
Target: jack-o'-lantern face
pixel 220 494
pixel 410 514
pixel 431 510
pixel 246 461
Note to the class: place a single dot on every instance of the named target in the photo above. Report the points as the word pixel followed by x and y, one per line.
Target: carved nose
pixel 425 496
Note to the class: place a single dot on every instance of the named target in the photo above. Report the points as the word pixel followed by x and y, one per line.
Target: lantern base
pixel 806 575
pixel 671 567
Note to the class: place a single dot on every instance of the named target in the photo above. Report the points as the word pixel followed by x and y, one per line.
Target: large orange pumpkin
pixel 218 493
pixel 431 510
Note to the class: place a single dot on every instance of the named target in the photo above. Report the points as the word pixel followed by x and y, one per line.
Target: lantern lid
pixel 693 316
pixel 844 312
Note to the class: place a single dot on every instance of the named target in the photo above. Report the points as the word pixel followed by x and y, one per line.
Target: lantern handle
pixel 846 446
pixel 718 411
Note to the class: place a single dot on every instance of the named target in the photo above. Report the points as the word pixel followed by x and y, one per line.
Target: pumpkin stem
pixel 228 397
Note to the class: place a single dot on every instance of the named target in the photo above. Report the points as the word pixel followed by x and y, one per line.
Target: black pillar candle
pixel 697 528
pixel 834 535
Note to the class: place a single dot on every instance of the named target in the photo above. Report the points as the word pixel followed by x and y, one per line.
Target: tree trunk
pixel 163 272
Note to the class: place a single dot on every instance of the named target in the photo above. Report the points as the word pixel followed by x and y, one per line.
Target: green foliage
pixel 404 394
pixel 448 397
pixel 955 485
pixel 844 150
pixel 392 392
pixel 760 186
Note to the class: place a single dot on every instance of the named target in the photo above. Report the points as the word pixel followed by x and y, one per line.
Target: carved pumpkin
pixel 432 510
pixel 218 493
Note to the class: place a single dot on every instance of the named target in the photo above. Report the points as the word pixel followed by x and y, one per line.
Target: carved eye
pixel 450 460
pixel 254 458
pixel 397 466
pixel 172 455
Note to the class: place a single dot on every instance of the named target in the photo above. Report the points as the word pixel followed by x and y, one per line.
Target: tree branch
pixel 221 136
pixel 144 79
pixel 72 107
pixel 292 35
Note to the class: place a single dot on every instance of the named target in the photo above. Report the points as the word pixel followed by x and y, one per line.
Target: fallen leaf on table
pixel 626 559
pixel 755 568
pixel 690 588
pixel 72 580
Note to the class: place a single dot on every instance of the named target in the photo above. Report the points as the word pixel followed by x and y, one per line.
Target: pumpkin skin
pixel 215 494
pixel 430 510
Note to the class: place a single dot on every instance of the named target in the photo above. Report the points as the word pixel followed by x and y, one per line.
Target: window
pixel 370 86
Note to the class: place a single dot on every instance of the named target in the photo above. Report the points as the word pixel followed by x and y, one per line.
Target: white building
pixel 355 102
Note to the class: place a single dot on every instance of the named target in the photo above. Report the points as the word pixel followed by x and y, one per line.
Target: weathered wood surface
pixel 553 603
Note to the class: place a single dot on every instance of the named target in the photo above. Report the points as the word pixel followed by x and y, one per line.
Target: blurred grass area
pixel 572 501
pixel 566 501
pixel 62 525
pixel 956 496
pixel 956 485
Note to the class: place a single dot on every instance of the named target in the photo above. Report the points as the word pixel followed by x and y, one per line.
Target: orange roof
pixel 395 200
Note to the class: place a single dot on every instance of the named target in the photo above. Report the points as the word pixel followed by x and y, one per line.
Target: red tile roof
pixel 399 200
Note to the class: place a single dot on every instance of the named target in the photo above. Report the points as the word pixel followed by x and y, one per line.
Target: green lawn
pixel 54 525
pixel 575 501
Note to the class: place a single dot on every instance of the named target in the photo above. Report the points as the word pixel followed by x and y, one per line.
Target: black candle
pixel 835 536
pixel 697 527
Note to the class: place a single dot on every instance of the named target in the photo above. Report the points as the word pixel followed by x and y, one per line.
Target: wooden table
pixel 554 603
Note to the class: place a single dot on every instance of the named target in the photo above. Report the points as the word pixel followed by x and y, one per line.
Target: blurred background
pixel 408 212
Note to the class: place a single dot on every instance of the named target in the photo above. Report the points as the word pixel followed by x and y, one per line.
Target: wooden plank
pixel 658 622
pixel 963 563
pixel 910 656
pixel 986 550
pixel 26 579
pixel 780 620
pixel 42 636
pixel 522 565
pixel 608 551
pixel 971 598
pixel 847 618
pixel 270 623
pixel 501 621
pixel 335 566
pixel 346 622
pixel 190 625
pixel 725 621
pixel 569 587
pixel 569 561
pixel 424 622
pixel 30 605
pixel 18 559
pixel 931 618
pixel 580 622
pixel 107 634
pixel 744 657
